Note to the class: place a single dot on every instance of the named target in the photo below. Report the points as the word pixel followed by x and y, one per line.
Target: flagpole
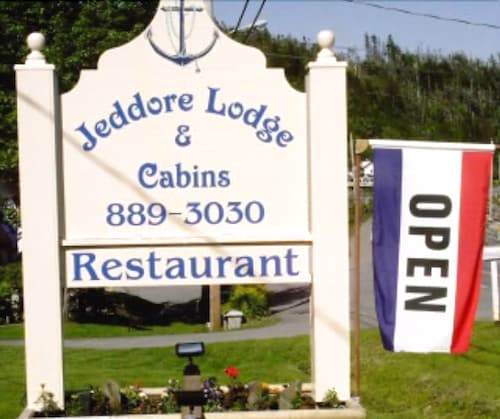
pixel 361 146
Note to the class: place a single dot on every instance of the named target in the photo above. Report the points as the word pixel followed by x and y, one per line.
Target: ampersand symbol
pixel 182 138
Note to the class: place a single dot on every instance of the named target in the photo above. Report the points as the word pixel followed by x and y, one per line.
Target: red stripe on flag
pixel 476 168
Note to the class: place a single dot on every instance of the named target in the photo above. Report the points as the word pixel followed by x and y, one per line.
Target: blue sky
pixel 351 20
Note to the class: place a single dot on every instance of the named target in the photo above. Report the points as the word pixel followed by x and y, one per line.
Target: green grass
pixel 415 386
pixel 12 382
pixel 90 330
pixel 393 385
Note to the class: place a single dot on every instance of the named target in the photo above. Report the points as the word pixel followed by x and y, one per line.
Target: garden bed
pixel 250 401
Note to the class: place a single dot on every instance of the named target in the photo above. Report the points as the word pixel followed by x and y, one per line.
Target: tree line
pixel 400 94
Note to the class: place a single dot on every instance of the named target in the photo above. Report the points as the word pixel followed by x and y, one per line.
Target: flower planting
pixel 111 399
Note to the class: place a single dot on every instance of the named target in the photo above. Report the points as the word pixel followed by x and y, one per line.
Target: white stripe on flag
pixel 436 173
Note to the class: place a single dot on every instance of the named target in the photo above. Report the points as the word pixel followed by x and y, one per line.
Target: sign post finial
pixel 326 41
pixel 36 42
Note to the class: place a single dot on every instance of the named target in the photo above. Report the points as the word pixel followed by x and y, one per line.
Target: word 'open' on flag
pixel 430 204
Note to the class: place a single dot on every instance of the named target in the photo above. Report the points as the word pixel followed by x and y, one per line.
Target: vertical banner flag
pixel 430 205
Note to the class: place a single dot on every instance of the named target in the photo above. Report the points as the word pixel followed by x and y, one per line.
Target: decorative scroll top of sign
pixel 182 56
pixel 183 33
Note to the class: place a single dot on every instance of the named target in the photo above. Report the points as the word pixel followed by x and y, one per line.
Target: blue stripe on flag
pixel 385 240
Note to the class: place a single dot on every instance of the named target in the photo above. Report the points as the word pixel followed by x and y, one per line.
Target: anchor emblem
pixel 181 57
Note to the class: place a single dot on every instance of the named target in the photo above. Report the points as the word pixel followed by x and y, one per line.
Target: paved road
pixel 294 318
pixel 294 321
pixel 294 314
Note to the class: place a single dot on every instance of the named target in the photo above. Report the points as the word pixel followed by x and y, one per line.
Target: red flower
pixel 232 372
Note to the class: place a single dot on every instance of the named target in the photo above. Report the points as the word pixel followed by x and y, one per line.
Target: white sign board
pixel 161 151
pixel 191 265
pixel 203 164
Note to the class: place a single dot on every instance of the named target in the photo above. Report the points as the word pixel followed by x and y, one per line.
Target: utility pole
pixel 360 147
pixel 215 303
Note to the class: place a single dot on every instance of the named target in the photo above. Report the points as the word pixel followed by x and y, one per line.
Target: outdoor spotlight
pixel 191 398
pixel 189 349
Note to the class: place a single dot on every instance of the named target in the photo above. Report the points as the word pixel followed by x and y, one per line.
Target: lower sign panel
pixel 186 265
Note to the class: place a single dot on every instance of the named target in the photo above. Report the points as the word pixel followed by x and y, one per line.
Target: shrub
pixel 10 283
pixel 252 300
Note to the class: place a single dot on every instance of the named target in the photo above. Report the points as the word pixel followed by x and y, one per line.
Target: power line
pixel 429 15
pixel 241 16
pixel 263 2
